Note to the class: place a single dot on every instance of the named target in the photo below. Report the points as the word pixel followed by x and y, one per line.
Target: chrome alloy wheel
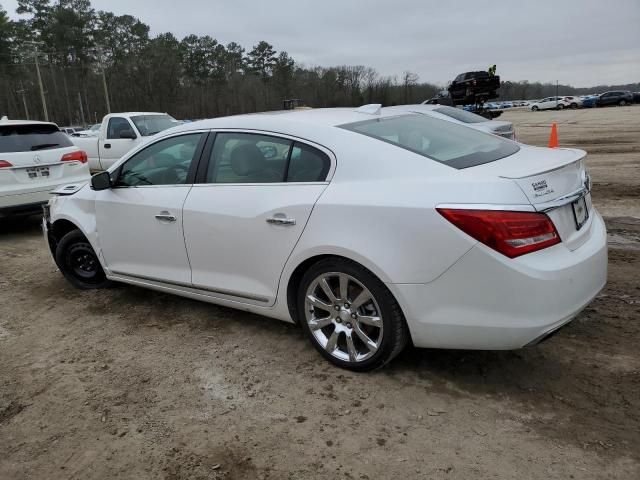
pixel 343 316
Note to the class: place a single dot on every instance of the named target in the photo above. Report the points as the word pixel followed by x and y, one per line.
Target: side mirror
pixel 130 134
pixel 101 181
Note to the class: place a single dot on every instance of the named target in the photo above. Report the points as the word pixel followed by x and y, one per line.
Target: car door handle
pixel 107 145
pixel 281 221
pixel 166 217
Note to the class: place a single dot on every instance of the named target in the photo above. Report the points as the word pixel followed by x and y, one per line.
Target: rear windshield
pixel 31 138
pixel 149 125
pixel 452 144
pixel 460 115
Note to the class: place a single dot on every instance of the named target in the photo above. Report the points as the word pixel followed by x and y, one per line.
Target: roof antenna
pixel 371 109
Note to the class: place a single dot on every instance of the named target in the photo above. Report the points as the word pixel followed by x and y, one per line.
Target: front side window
pixel 451 144
pixel 117 125
pixel 31 138
pixel 166 162
pixel 248 158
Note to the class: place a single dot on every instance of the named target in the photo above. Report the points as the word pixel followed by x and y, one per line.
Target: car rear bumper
pixel 16 197
pixel 486 301
pixel 21 210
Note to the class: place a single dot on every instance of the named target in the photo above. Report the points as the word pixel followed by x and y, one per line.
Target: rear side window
pixel 308 164
pixel 460 115
pixel 255 158
pixel 31 138
pixel 451 144
pixel 248 158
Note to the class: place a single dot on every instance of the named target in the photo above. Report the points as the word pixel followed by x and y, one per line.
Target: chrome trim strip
pixel 198 288
pixel 488 206
pixel 563 200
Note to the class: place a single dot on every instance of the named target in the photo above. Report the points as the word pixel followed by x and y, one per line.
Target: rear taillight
pixel 5 164
pixel 79 156
pixel 510 233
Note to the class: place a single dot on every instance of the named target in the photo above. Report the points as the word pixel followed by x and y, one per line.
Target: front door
pixel 243 222
pixel 139 220
pixel 114 146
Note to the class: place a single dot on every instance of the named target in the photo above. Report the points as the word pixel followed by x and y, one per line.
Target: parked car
pixel 460 116
pixel 574 102
pixel 589 101
pixel 370 228
pixel 71 130
pixel 615 97
pixel 91 131
pixel 549 103
pixel 506 105
pixel 469 87
pixel 35 158
pixel 119 133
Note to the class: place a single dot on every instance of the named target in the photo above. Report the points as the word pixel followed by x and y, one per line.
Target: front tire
pixel 560 107
pixel 534 109
pixel 622 103
pixel 79 263
pixel 350 316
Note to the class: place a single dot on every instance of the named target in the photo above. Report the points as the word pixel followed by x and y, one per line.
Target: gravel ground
pixel 129 383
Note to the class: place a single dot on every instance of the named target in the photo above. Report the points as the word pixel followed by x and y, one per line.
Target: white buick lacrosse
pixel 370 229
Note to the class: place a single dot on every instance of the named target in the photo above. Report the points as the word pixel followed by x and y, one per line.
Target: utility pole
pixel 23 93
pixel 42 97
pixel 81 109
pixel 556 93
pixel 104 81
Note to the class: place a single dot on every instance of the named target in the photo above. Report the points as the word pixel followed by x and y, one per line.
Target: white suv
pixel 35 158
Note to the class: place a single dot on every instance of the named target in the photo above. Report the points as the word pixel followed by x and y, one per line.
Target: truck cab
pixel 119 133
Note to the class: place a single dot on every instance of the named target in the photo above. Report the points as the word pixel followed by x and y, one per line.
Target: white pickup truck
pixel 119 133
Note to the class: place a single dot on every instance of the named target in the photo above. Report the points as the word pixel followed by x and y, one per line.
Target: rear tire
pixel 574 106
pixel 79 263
pixel 622 103
pixel 350 316
pixel 534 109
pixel 560 107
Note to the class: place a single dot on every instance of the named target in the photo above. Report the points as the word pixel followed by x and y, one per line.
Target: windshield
pixel 149 125
pixel 31 138
pixel 460 115
pixel 452 144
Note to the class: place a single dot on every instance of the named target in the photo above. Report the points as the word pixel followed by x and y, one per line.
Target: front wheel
pixel 560 107
pixel 622 103
pixel 79 263
pixel 350 316
pixel 534 109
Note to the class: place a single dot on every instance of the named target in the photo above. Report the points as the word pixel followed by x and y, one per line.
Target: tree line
pixel 79 53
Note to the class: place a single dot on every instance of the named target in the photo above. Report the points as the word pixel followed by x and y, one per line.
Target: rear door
pixel 139 220
pixel 243 220
pixel 113 146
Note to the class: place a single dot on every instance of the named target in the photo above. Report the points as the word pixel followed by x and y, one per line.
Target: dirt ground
pixel 132 384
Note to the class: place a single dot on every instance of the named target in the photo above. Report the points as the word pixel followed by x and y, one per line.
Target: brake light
pixel 5 164
pixel 510 233
pixel 79 156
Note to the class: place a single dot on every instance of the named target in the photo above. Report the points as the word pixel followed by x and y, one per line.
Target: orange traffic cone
pixel 553 138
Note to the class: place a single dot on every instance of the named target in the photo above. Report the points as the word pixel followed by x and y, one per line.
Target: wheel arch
pixel 305 264
pixel 58 229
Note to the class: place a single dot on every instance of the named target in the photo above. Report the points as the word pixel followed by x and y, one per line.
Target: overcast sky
pixel 578 42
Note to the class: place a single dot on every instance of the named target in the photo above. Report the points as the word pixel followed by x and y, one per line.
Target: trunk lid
pixel 555 181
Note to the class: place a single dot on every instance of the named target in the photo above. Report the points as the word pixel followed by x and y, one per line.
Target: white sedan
pixel 550 103
pixel 370 229
pixel 35 158
pixel 458 115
